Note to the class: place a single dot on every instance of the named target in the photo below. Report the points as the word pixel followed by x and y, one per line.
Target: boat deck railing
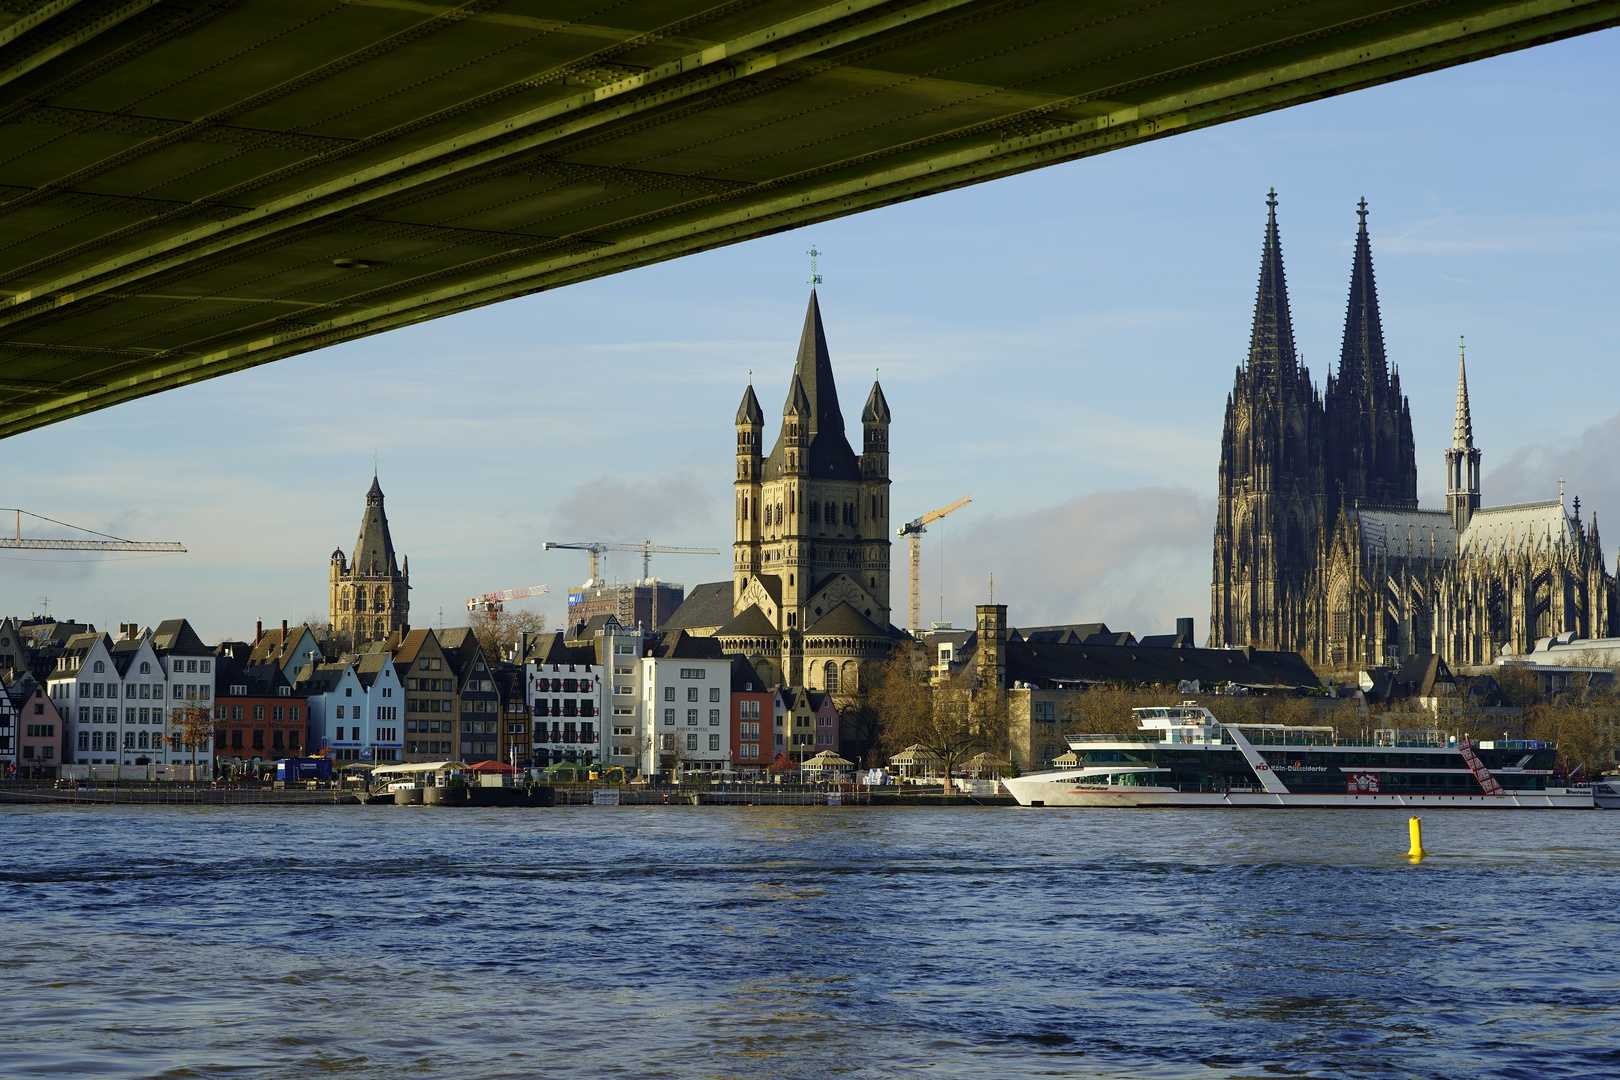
pixel 1254 740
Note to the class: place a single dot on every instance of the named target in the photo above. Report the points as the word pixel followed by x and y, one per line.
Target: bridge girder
pixel 194 187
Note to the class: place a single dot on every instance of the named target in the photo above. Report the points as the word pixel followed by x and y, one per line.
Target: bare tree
pixel 500 633
pixel 912 712
pixel 194 725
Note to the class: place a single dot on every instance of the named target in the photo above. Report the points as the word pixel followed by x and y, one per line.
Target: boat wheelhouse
pixel 1183 756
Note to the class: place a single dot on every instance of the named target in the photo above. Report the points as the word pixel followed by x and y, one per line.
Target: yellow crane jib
pixel 914 529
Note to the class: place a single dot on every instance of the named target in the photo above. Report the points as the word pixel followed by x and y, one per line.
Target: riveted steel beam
pixel 612 134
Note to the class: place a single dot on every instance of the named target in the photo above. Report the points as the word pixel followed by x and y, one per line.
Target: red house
pixel 753 720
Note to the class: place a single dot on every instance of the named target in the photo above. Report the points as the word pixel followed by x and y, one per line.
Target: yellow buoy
pixel 1415 827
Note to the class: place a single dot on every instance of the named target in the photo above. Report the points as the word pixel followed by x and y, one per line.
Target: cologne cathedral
pixel 1320 546
pixel 810 596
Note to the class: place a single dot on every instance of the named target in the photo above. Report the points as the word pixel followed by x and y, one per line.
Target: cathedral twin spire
pixel 1362 367
pixel 1271 343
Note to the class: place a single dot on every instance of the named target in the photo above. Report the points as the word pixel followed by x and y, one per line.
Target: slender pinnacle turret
pixel 1462 429
pixel 1271 343
pixel 1462 459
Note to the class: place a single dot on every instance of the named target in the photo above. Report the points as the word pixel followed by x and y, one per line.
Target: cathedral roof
pixel 1361 358
pixel 1271 343
pixel 374 550
pixel 749 411
pixel 829 456
pixel 877 407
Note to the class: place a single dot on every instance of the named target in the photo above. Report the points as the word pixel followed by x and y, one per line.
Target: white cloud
pixel 1136 559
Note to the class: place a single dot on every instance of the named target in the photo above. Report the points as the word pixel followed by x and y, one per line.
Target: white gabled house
pixel 121 701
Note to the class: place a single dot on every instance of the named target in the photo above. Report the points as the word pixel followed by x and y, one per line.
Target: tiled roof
pixel 1053 665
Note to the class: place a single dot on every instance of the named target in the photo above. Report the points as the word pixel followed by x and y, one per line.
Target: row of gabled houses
pixel 600 694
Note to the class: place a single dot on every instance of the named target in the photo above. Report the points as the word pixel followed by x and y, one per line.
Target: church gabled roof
pixel 1361 358
pixel 1271 342
pixel 844 621
pixel 751 623
pixel 374 550
pixel 749 411
pixel 877 407
pixel 798 401
pixel 828 456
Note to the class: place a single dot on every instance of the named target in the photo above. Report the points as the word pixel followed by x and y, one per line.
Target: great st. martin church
pixel 1320 545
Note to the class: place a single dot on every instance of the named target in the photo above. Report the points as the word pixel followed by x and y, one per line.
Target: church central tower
pixel 811 552
pixel 370 594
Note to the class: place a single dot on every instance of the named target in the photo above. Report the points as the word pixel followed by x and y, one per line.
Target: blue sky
pixel 1057 344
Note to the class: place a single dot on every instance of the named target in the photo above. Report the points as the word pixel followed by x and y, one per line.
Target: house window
pixel 669 716
pixel 669 693
pixel 714 717
pixel 100 667
pixel 691 719
pixel 691 693
pixel 691 742
pixel 146 669
pixel 714 742
pixel 714 693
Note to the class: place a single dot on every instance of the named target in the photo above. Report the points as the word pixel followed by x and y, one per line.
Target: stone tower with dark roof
pixel 370 592
pixel 812 526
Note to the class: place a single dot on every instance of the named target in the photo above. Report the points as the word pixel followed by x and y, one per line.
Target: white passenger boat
pixel 1184 756
pixel 1606 794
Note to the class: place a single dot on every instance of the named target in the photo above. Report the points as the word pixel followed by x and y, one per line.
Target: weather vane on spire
pixel 1462 346
pixel 815 278
pixel 373 462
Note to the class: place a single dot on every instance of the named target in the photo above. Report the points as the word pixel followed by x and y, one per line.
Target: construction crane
pixel 493 603
pixel 19 542
pixel 915 529
pixel 647 549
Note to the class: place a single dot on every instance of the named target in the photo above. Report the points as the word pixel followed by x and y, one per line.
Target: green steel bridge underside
pixel 193 187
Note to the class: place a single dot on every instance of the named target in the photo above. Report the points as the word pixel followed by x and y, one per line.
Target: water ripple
pixel 785 942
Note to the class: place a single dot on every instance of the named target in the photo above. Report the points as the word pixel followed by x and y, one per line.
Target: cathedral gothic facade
pixel 811 558
pixel 1320 545
pixel 370 593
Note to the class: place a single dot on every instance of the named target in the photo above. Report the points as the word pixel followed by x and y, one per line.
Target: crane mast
pixel 913 530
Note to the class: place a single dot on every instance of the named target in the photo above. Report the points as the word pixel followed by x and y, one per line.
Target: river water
pixel 722 942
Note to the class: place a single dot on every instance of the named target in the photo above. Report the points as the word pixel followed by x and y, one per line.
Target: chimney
pixel 258 630
pixel 283 633
pixel 1184 631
